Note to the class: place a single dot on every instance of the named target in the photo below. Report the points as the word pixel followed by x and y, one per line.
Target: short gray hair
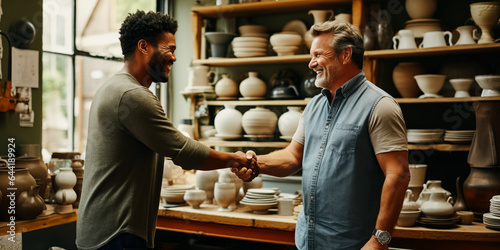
pixel 344 35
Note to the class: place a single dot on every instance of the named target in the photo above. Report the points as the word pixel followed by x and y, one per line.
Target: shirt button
pixel 312 197
pixel 320 149
pixel 315 171
pixel 326 127
pixel 311 221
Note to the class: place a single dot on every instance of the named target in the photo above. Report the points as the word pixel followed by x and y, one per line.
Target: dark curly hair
pixel 148 26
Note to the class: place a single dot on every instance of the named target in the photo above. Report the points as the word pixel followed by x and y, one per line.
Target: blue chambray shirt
pixel 342 180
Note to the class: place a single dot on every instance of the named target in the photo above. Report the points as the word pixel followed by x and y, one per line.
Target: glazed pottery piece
pixel 438 206
pixel 228 122
pixel 320 16
pixel 224 195
pixel 253 87
pixel 37 169
pixel 490 84
pixel 24 182
pixel 288 121
pixel 404 40
pixel 219 42
pixel 195 198
pixel 65 195
pixel 226 88
pixel 421 26
pixel 485 15
pixel 29 204
pixel 460 202
pixel 259 121
pixel 466 35
pixel 226 176
pixel 384 31
pixel 420 8
pixel 403 78
pixel 205 180
pixel 433 186
pixel 430 84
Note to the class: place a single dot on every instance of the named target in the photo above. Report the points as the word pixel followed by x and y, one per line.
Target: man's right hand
pixel 251 170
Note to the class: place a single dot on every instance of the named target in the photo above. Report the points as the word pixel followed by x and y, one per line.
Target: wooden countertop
pixel 40 222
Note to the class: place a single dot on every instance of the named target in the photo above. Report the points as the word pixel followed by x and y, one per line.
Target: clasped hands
pixel 248 169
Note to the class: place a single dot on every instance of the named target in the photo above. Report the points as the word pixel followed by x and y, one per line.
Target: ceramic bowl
pixel 195 197
pixel 259 208
pixel 249 50
pixel 285 50
pixel 249 44
pixel 490 84
pixel 461 86
pixel 251 29
pixel 466 217
pixel 408 218
pixel 421 25
pixel 286 39
pixel 430 84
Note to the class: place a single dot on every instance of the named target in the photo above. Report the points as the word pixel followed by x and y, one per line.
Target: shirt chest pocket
pixel 344 138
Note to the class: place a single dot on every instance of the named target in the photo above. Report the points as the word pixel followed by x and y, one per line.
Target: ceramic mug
pixel 435 39
pixel 405 40
pixel 199 76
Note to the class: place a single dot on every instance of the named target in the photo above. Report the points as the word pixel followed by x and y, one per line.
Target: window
pixel 81 51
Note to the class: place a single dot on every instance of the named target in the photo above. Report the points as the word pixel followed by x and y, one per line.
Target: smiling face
pixel 324 61
pixel 163 58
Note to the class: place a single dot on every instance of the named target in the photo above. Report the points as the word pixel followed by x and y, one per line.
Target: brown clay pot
pixel 479 187
pixel 402 76
pixel 30 204
pixel 23 182
pixel 37 169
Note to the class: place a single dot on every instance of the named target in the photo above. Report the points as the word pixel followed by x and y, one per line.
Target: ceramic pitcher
pixel 467 35
pixel 199 76
pixel 320 16
pixel 436 39
pixel 405 40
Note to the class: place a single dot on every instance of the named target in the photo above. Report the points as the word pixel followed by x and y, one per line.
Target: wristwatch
pixel 383 237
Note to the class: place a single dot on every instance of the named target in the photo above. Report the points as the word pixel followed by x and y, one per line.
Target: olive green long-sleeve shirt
pixel 128 138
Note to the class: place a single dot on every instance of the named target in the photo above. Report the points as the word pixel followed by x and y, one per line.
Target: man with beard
pixel 129 137
pixel 352 149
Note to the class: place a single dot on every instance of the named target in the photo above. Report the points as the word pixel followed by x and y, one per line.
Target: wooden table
pixel 40 222
pixel 273 228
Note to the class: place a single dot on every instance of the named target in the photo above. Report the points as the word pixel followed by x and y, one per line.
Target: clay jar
pixel 29 204
pixel 37 169
pixel 228 121
pixel 24 182
pixel 253 87
pixel 421 8
pixel 224 195
pixel 226 88
pixel 65 195
pixel 259 121
pixel 479 187
pixel 205 180
pixel 288 121
pixel 438 206
pixel 403 78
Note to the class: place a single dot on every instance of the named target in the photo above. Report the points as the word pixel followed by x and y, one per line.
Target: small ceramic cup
pixel 466 217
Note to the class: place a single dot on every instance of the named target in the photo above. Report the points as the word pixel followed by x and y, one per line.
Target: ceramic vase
pixel 37 169
pixel 195 198
pixel 479 187
pixel 466 35
pixel 408 203
pixel 320 16
pixel 438 206
pixel 420 8
pixel 205 180
pixel 403 78
pixel 259 121
pixel 288 121
pixel 29 204
pixel 384 31
pixel 65 195
pixel 460 202
pixel 77 166
pixel 219 42
pixel 485 15
pixel 226 176
pixel 253 87
pixel 228 122
pixel 226 88
pixel 224 194
pixel 23 182
pixel 308 87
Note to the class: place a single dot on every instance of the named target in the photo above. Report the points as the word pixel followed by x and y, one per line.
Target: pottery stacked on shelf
pixel 410 211
pixel 286 43
pixel 320 16
pixel 205 180
pixel 259 123
pixel 421 13
pixel 260 200
pixel 288 122
pixel 226 88
pixel 490 84
pixel 492 219
pixel 252 87
pixel 417 179
pixel 485 15
pixel 403 78
pixel 461 86
pixel 199 80
pixel 430 84
pixel 459 136
pixel 228 123
pixel 252 42
pixel 219 42
pixel 425 135
pixel 175 194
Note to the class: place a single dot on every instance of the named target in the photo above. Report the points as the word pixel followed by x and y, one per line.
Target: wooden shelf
pixel 439 147
pixel 303 58
pixel 264 8
pixel 301 102
pixel 437 51
pixel 245 144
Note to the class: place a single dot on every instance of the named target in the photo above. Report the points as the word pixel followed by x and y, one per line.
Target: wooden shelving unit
pixel 304 58
pixel 440 147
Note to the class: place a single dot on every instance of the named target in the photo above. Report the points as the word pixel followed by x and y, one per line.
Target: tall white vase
pixel 224 195
pixel 228 122
pixel 65 195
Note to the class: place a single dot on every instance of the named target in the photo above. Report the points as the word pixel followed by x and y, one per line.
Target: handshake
pixel 246 166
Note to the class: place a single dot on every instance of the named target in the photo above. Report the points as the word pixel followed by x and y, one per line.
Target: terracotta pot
pixel 403 77
pixel 37 169
pixel 29 204
pixel 479 187
pixel 23 182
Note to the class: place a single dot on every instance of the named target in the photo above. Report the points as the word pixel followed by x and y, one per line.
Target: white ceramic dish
pixel 250 39
pixel 490 84
pixel 250 44
pixel 295 26
pixel 286 39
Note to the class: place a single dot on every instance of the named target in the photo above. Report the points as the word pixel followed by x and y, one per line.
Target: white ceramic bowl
pixel 490 84
pixel 420 26
pixel 461 86
pixel 285 50
pixel 250 39
pixel 259 208
pixel 286 39
pixel 245 44
pixel 251 29
pixel 408 218
pixel 249 50
pixel 430 84
pixel 195 197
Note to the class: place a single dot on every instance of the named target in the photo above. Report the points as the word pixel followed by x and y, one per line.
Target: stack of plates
pixel 425 135
pixel 259 200
pixel 459 136
pixel 439 222
pixel 492 219
pixel 250 46
pixel 175 194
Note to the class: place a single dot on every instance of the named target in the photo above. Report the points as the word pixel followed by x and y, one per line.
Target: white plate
pixel 296 26
pixel 261 191
pixel 250 39
pixel 250 44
